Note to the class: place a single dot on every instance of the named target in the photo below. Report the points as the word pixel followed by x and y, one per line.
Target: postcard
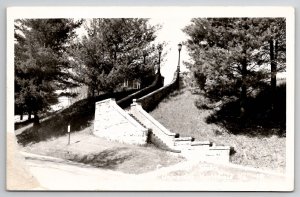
pixel 190 98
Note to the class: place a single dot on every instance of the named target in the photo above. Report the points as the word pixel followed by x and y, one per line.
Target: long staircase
pixel 167 140
pixel 135 125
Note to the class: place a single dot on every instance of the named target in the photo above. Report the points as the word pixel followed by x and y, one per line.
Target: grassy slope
pixel 180 115
pixel 79 116
pixel 98 152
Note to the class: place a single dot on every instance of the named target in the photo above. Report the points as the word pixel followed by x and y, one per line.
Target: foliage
pixel 231 56
pixel 114 50
pixel 41 63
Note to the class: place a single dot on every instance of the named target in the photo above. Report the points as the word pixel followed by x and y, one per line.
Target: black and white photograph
pixel 150 98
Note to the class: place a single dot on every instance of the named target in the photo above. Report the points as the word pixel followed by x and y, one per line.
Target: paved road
pixel 58 174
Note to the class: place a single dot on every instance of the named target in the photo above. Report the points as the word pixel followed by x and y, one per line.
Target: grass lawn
pixel 98 152
pixel 179 114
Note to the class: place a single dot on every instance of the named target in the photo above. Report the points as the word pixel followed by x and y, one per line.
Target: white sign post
pixel 69 131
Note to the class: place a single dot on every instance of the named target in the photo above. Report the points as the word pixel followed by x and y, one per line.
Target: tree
pixel 274 50
pixel 113 50
pixel 41 63
pixel 229 54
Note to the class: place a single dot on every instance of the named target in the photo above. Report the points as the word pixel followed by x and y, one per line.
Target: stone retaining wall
pixel 151 100
pixel 113 123
pixel 157 83
pixel 148 121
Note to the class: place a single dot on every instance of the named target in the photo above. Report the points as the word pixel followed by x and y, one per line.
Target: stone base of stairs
pixel 203 151
pixel 183 141
pixel 152 138
pixel 217 154
pixel 136 126
pixel 201 143
pixel 187 146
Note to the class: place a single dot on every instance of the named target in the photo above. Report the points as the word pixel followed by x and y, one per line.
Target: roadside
pixel 88 149
pixel 187 175
pixel 148 169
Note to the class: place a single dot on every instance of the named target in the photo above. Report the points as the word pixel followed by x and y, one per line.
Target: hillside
pixel 180 114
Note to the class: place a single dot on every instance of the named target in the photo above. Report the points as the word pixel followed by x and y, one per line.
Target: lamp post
pixel 179 49
pixel 144 55
pixel 159 54
pixel 178 67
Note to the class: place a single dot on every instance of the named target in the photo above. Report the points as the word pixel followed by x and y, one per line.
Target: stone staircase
pixel 137 120
pixel 166 140
pixel 152 138
pixel 136 126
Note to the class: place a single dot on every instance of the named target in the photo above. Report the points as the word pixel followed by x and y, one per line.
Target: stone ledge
pixel 201 143
pixel 183 139
pixel 219 148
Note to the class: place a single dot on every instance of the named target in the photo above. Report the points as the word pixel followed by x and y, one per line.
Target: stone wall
pixel 151 100
pixel 157 83
pixel 113 123
pixel 157 129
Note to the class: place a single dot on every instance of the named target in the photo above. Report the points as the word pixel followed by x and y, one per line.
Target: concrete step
pixel 201 143
pixel 183 141
pixel 217 154
pixel 160 144
pixel 137 120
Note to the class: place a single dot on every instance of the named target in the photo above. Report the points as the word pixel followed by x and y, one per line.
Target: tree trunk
pixel 243 93
pixel 36 120
pixel 29 115
pixel 273 57
pixel 21 115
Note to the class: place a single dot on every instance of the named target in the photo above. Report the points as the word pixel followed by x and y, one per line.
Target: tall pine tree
pixel 41 62
pixel 114 50
pixel 229 55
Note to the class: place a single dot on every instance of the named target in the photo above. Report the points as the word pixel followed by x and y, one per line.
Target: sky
pixel 171 33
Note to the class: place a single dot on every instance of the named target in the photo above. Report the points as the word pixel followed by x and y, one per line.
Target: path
pixel 36 172
pixel 183 176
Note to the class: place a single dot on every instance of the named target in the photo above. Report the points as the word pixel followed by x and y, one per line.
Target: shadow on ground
pixel 108 159
pixel 260 119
